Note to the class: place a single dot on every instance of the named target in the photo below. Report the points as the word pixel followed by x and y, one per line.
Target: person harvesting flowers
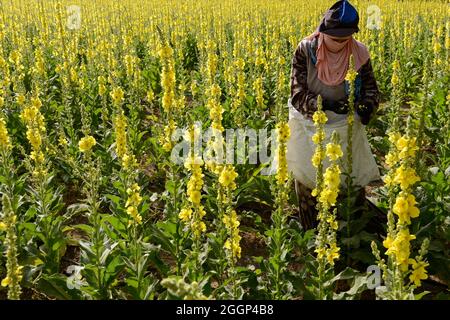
pixel 319 67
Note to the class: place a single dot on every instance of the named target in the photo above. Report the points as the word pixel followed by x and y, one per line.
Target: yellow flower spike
pixel 5 141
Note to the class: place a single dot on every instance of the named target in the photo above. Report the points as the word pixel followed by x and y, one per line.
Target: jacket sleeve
pixel 302 99
pixel 370 94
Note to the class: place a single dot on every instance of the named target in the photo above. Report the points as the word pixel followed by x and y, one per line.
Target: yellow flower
pixel 227 177
pixel 185 214
pixel 37 156
pixel 117 95
pixel 334 151
pixel 86 143
pixel 101 86
pixel 165 52
pixel 392 158
pixel 405 177
pixel 317 158
pixel 321 252
pixel 195 196
pixel 34 136
pixel 62 141
pixel 328 197
pixel 319 117
pixel 332 253
pixel 120 123
pixel 387 243
pixel 419 272
pixel 283 132
pixel 332 177
pixel 413 210
pixel 198 227
pixel 21 99
pixel 36 102
pixel 2 226
pixel 351 75
pixel 318 137
pixel 401 209
pixel 400 247
pixel 6 282
pixel 394 137
pixel 388 180
pixel 4 137
pixel 133 212
pixel 407 147
pixel 231 221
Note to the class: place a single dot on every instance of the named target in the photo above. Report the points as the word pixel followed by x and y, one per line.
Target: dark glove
pixel 338 106
pixel 364 110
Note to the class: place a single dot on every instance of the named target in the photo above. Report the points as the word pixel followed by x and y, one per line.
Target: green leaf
pixel 55 286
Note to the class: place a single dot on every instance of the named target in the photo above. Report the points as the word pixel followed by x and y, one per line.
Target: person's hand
pixel 364 111
pixel 338 106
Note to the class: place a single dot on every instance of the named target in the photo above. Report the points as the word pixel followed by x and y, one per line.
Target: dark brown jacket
pixel 305 86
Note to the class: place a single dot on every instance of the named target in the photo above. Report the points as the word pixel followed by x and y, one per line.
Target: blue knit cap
pixel 340 20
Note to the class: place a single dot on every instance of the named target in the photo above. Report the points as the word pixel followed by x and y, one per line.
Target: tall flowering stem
pixel 231 223
pixel 396 96
pixel 8 218
pixel 278 243
pixel 168 98
pixel 326 191
pixel 170 113
pixel 133 206
pixel 126 157
pixel 350 78
pixel 400 182
pixel 42 195
pixel 193 211
pixel 93 249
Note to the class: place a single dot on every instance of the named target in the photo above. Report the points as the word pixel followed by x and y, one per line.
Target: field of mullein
pixel 93 205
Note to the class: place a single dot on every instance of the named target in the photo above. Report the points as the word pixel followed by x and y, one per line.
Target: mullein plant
pixel 326 192
pixel 170 114
pixel 11 203
pixel 43 197
pixel 136 256
pixel 99 249
pixel 193 211
pixel 230 229
pixel 95 251
pixel 227 222
pixel 238 99
pixel 351 191
pixel 63 71
pixel 278 235
pixel 168 99
pixel 214 152
pixel 401 273
pixel 278 239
